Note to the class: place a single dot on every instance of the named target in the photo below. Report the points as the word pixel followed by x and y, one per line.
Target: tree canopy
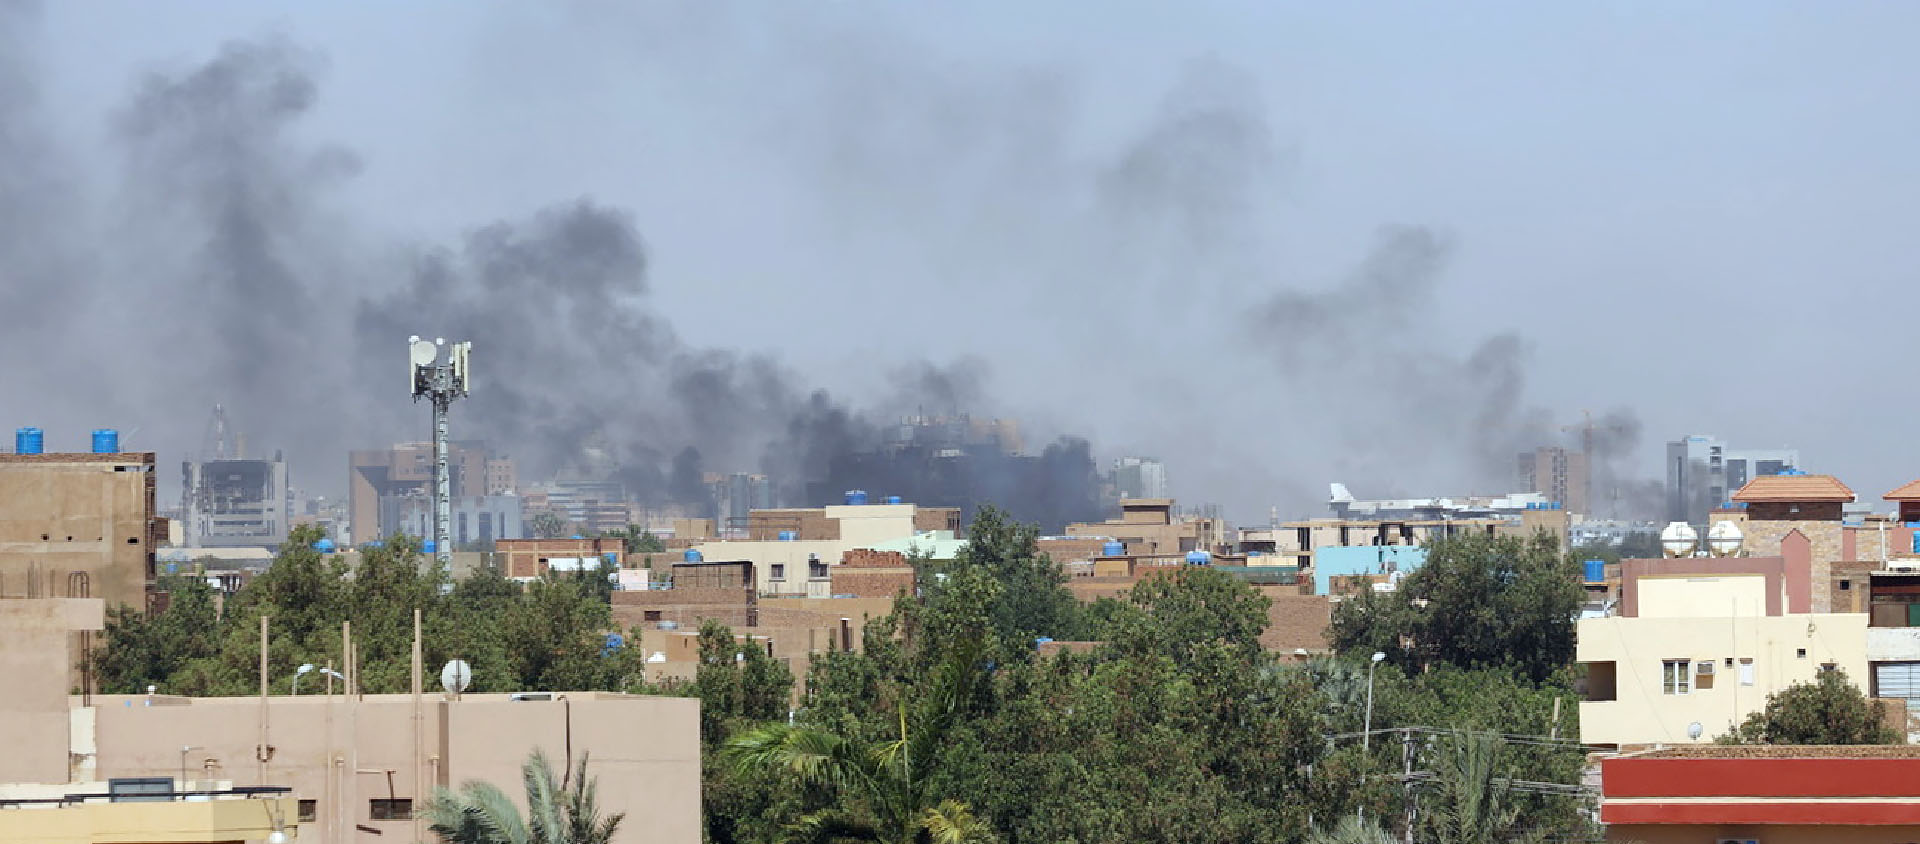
pixel 1829 710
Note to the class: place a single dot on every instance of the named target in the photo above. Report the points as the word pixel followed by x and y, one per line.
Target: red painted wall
pixel 1673 777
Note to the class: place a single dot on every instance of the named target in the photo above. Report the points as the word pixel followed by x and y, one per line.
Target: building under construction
pixel 229 500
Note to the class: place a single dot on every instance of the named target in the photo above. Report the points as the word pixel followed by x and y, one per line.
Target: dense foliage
pixel 545 635
pixel 564 812
pixel 1165 721
pixel 1830 710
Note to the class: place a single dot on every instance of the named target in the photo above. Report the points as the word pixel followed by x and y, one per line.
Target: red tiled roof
pixel 1794 488
pixel 1910 492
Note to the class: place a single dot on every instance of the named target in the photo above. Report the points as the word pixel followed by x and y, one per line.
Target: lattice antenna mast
pixel 440 373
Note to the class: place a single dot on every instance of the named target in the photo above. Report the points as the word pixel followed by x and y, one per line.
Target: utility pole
pixel 1406 777
pixel 439 373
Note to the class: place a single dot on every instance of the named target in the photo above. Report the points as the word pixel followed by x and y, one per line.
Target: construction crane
pixel 217 443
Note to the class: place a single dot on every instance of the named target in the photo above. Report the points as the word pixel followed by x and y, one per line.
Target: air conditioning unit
pixel 1704 666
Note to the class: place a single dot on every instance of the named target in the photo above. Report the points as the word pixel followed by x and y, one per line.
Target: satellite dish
pixel 422 352
pixel 456 676
pixel 1694 730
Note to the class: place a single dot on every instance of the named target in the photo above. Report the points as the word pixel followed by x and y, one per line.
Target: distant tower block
pixel 440 373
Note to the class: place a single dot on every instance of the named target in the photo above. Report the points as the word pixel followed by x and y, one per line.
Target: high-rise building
pixel 475 521
pixel 378 482
pixel 1703 473
pixel 502 479
pixel 232 503
pixel 1139 477
pixel 1558 473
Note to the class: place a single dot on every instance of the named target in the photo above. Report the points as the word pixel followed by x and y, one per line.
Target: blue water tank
pixel 692 556
pixel 428 546
pixel 1916 543
pixel 324 546
pixel 1113 548
pixel 1199 558
pixel 856 496
pixel 609 558
pixel 578 536
pixel 1596 571
pixel 29 441
pixel 789 535
pixel 106 441
pixel 893 499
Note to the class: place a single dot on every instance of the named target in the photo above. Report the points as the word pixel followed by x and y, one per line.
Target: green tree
pixel 547 524
pixel 1472 798
pixel 1478 602
pixel 1830 710
pixel 880 791
pixel 737 681
pixel 150 649
pixel 566 812
pixel 1351 829
pixel 1033 600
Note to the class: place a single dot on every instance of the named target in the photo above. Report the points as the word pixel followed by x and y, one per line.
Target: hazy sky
pixel 1698 215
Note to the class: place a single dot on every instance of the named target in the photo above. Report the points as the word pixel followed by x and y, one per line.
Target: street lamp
pixel 1366 732
pixel 297 674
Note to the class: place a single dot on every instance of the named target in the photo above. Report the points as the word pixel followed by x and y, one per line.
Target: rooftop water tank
pixel 692 555
pixel 1199 558
pixel 893 499
pixel 1113 548
pixel 29 441
pixel 1596 571
pixel 1678 539
pixel 1724 538
pixel 789 535
pixel 856 496
pixel 106 441
pixel 324 546
pixel 428 546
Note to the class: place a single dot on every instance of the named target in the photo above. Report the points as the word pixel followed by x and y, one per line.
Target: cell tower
pixel 440 377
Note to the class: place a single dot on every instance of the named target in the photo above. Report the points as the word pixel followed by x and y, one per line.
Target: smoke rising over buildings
pixel 228 242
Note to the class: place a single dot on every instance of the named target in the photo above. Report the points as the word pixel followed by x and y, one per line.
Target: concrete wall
pixel 1685 596
pixel 67 513
pixel 37 659
pixel 1641 713
pixel 644 752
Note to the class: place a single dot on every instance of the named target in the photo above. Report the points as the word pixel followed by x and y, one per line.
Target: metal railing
pixel 244 792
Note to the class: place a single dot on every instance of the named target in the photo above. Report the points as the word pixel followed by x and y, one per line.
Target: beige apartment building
pixel 800 566
pixel 357 766
pixel 78 525
pixel 1147 526
pixel 1700 642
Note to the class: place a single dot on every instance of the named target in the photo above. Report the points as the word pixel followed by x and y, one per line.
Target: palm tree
pixel 1474 803
pixel 1352 829
pixel 886 784
pixel 567 812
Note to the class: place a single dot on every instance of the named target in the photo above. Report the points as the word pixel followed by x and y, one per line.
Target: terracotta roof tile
pixel 1794 488
pixel 1910 492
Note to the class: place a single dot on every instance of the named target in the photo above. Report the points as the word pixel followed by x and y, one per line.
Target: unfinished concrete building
pixel 78 525
pixel 237 502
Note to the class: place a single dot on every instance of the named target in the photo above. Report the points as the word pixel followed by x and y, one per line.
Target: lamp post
pixel 1366 732
pixel 297 674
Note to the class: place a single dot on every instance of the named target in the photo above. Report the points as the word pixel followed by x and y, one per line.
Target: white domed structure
pixel 1679 539
pixel 1724 538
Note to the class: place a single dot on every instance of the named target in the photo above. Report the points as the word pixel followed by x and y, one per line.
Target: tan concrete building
pixel 375 479
pixel 78 525
pixel 358 765
pixel 1771 506
pixel 1148 526
pixel 531 558
pixel 800 565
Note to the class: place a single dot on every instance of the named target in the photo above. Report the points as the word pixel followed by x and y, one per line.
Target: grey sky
pixel 1700 214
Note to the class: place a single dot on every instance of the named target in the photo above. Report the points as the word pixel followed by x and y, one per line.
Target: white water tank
pixel 1678 539
pixel 1723 539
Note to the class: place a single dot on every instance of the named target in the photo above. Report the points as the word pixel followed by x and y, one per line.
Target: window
pixel 1746 671
pixel 1828 666
pixel 1846 585
pixel 650 615
pixel 390 809
pixel 308 810
pixel 1800 652
pixel 1676 676
pixel 816 569
pixel 779 571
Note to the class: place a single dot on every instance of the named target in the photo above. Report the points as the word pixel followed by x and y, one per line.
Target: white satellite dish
pixel 456 676
pixel 422 352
